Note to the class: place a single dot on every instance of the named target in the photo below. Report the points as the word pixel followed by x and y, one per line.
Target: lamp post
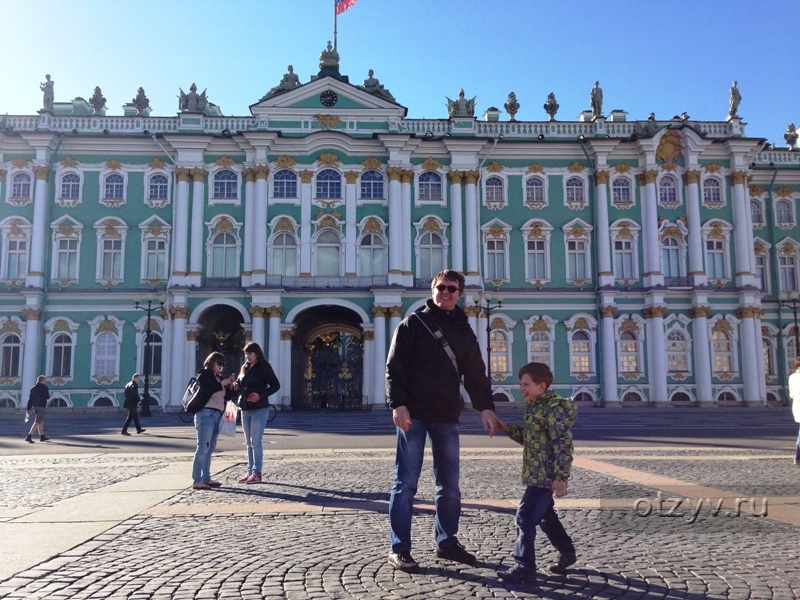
pixel 792 300
pixel 485 303
pixel 149 309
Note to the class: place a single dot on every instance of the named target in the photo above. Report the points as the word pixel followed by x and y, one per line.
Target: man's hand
pixel 560 488
pixel 401 418
pixel 502 425
pixel 489 422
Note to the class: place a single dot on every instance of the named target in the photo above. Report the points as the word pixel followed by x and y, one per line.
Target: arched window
pixel 431 255
pixel 677 352
pixel 371 185
pixel 158 188
pixel 757 213
pixel 670 257
pixel 66 268
pixel 495 259
pixel 628 352
pixel 223 256
pixel 430 186
pixel 723 352
pixel 681 397
pixel 284 255
pixel 114 187
pixel 534 191
pixel 62 356
pixel 575 191
pixel 715 259
pixel 152 359
pixel 21 186
pixel 155 259
pixel 16 259
pixel 329 185
pixel 498 343
pixel 668 191
pixel 10 347
pixel 70 186
pixel 106 355
pixel 621 191
pixel 494 190
pixel 787 271
pixel 631 397
pixel 372 255
pixel 712 193
pixel 580 351
pixel 284 184
pixel 783 212
pixel 110 260
pixel 225 184
pixel 328 253
pixel 540 347
pixel 767 356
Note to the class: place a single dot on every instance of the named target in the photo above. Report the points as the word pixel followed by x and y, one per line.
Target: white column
pixel 285 371
pixel 32 352
pixel 657 353
pixel 260 237
pixel 697 267
pixel 181 373
pixel 191 356
pixel 472 236
pixel 274 348
pixel 372 372
pixel 742 231
pixel 751 356
pixel 652 246
pixel 305 223
pixel 762 375
pixel 180 243
pixel 702 354
pixel 609 355
pixel 257 313
pixel 350 229
pixel 456 221
pixel 407 244
pixel 198 207
pixel 395 227
pixel 248 229
pixel 605 273
pixel 395 317
pixel 35 276
pixel 379 366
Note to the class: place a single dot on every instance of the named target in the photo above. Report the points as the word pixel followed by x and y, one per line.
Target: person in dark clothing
pixel 423 389
pixel 256 382
pixel 132 405
pixel 37 400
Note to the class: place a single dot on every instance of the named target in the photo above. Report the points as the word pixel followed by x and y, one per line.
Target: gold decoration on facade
pixel 495 167
pixel 406 176
pixel 431 224
pixel 655 312
pixel 713 168
pixel 495 232
pixel 257 312
pixel 274 311
pixel 285 161
pixel 284 224
pixel 622 168
pixel 306 176
pixel 672 231
pixel 372 225
pixel 691 177
pixel 601 177
pixel 351 177
pixel 759 249
pixel 329 121
pixel 157 163
pixel 536 231
pixel 431 164
pixel 60 325
pixel 539 325
pixel 650 176
pixel 455 177
pixel 67 230
pixel 700 312
pixel 625 231
pixel 249 175
pixel 182 174
pixel 746 312
pixel 471 177
pixel 788 249
pixel 192 335
pixel 224 161
pixel 107 325
pixel 716 231
pixel 69 163
pixel 396 311
pixel 581 323
pixel 328 159
pixel 328 222
pixel 628 325
pixel 535 168
pixel 739 177
pixel 262 171
pixel 286 334
pixel 783 192
pixel 608 311
pixel 110 228
pixel 669 167
pixel 10 326
pixel 198 174
pixel 41 172
pixel 722 325
pixel 576 167
pixel 394 173
pixel 113 164
pixel 756 190
pixel 372 164
pixel 179 312
pixel 224 225
pixel 669 147
pixel 576 232
pixel 19 163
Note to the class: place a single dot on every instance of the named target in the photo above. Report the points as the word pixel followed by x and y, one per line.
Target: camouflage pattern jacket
pixel 546 438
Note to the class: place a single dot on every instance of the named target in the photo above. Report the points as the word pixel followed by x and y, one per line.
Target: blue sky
pixel 649 56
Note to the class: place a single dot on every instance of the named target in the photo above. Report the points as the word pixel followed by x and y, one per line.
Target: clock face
pixel 328 98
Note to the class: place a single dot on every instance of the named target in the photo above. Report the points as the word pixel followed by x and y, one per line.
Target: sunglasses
pixel 450 288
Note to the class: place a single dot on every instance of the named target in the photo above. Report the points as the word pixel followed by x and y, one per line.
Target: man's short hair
pixel 538 372
pixel 450 275
pixel 797 363
pixel 41 379
pixel 134 376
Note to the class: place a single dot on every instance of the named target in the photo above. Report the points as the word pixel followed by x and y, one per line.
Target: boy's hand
pixel 560 488
pixel 489 421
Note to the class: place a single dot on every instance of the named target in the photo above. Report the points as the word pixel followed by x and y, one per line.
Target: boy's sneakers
pixel 44 438
pixel 245 479
pixel 517 575
pixel 403 561
pixel 255 477
pixel 456 552
pixel 564 561
pixel 29 440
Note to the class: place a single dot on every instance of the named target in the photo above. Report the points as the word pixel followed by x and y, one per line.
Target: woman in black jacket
pixel 256 382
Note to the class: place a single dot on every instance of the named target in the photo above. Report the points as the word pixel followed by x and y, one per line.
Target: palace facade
pixel 645 261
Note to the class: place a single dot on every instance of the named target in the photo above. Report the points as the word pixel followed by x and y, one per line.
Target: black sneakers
pixel 403 561
pixel 457 553
pixel 29 440
pixel 44 438
pixel 517 575
pixel 564 561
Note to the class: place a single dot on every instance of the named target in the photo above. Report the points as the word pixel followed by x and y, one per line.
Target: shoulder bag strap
pixel 437 333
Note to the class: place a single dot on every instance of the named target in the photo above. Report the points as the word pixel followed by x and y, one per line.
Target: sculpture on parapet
pixel 140 102
pixel 289 81
pixel 47 94
pixel 373 86
pixel 192 102
pixel 98 102
pixel 551 106
pixel 512 106
pixel 736 98
pixel 461 107
pixel 596 98
pixel 791 136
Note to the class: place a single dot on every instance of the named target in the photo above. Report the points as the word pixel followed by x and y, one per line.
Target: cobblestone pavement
pixel 317 527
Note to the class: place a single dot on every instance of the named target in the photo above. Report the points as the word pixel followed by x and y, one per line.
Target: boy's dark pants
pixel 537 508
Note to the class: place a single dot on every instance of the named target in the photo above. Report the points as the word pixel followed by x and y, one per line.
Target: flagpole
pixel 334 24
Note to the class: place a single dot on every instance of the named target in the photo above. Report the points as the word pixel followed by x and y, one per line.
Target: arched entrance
pixel 327 360
pixel 221 331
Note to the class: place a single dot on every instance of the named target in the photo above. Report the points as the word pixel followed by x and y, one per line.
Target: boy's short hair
pixel 797 363
pixel 538 372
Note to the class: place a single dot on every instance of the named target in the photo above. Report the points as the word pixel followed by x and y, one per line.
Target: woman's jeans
pixel 407 468
pixel 253 424
pixel 797 452
pixel 206 424
pixel 536 508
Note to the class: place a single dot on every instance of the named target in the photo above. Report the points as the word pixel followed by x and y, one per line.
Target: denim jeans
pixel 253 424
pixel 537 508
pixel 206 424
pixel 797 452
pixel 407 468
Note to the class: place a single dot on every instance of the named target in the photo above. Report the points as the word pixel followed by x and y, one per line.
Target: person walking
pixel 256 382
pixel 431 350
pixel 794 393
pixel 37 401
pixel 207 419
pixel 131 404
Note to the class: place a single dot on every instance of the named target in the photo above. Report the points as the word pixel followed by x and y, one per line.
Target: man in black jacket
pixel 37 400
pixel 132 405
pixel 423 390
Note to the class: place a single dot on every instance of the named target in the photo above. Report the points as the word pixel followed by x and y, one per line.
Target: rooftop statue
pixel 791 136
pixel 329 58
pixel 461 107
pixel 736 98
pixel 551 106
pixel 98 102
pixel 512 106
pixel 47 94
pixel 373 86
pixel 289 81
pixel 596 98
pixel 192 102
pixel 141 102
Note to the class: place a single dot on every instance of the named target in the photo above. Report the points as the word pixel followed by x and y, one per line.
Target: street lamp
pixel 484 303
pixel 149 309
pixel 792 300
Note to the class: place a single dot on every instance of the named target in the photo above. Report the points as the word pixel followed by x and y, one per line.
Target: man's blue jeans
pixel 407 468
pixel 253 424
pixel 537 508
pixel 206 424
pixel 797 451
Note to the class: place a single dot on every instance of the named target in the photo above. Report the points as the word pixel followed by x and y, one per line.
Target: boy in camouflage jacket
pixel 546 438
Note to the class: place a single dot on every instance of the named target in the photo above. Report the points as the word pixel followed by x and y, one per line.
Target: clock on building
pixel 328 98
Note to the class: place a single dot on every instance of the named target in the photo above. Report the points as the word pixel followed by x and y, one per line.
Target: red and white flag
pixel 343 5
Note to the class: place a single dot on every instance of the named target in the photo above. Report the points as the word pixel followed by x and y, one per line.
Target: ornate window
pixel 155 243
pixel 575 195
pixel 712 193
pixel 762 272
pixel 106 337
pixel 757 213
pixel 673 238
pixel 628 352
pixel 582 339
pixel 372 255
pixel 61 365
pixel 494 192
pixel 670 257
pixel 430 187
pixel 668 192
pixel 716 239
pixel 723 362
pixel 784 215
pixel 153 359
pixel 580 351
pixel 284 255
pixel 541 339
pixel 224 257
pixel 621 196
pixel 577 239
pixel 284 184
pixel 535 192
pixel 496 250
pixel 114 187
pixel 768 356
pixel 430 247
pixel 21 186
pixel 61 335
pixel 16 234
pixel 625 236
pixel 226 185
pixel 536 238
pixel 10 349
pixel 498 343
pixel 329 185
pixel 158 187
pixel 71 188
pixel 677 352
pixel 66 248
pixel 723 346
pixel 371 185
pixel 787 270
pixel 328 253
pixel 630 346
pixel 111 234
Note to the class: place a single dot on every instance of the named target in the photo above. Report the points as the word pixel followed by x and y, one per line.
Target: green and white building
pixel 643 260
